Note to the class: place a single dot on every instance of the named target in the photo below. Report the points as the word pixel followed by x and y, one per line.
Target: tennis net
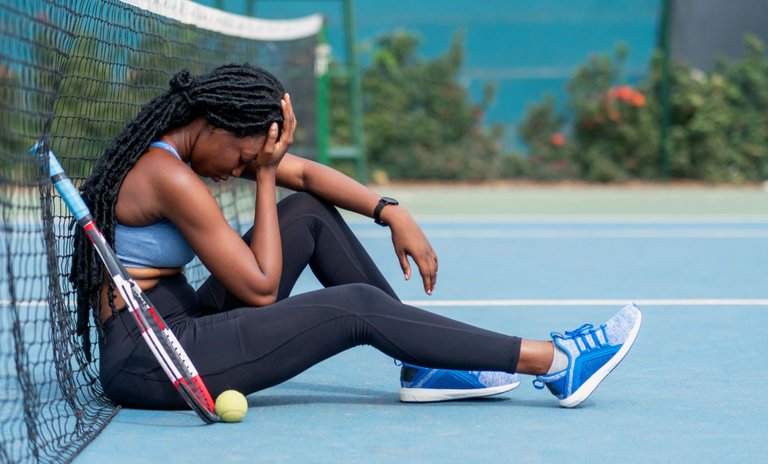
pixel 75 72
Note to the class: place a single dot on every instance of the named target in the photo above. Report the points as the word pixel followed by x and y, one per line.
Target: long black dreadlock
pixel 241 99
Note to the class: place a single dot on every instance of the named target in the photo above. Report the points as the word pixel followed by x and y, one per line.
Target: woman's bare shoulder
pixel 156 177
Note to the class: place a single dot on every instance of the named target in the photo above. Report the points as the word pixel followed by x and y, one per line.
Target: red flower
pixel 626 94
pixel 557 139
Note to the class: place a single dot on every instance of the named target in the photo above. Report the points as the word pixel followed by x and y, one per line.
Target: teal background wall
pixel 527 49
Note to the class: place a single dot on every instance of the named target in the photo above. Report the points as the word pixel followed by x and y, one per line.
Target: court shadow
pixel 544 403
pixel 333 389
pixel 292 393
pixel 314 393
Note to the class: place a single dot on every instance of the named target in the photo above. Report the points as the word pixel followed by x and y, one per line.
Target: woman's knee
pixel 304 203
pixel 297 205
pixel 368 291
pixel 360 296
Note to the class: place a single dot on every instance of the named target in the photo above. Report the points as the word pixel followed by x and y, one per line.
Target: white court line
pixel 575 219
pixel 558 234
pixel 578 219
pixel 29 304
pixel 595 302
pixel 542 302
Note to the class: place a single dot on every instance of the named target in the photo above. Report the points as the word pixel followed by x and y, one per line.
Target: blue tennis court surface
pixel 691 389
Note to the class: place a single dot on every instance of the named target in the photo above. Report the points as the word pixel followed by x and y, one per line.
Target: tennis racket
pixel 161 341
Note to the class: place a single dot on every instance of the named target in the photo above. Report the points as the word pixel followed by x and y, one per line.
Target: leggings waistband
pixel 173 298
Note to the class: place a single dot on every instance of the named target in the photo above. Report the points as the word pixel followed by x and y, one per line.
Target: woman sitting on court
pixel 241 328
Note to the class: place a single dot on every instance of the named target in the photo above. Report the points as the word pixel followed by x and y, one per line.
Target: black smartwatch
pixel 377 211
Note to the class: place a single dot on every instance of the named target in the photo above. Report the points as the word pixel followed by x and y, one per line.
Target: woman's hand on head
pixel 274 149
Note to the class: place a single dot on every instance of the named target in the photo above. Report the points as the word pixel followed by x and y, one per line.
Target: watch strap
pixel 384 201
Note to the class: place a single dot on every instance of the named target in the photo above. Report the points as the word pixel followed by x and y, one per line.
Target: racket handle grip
pixel 66 189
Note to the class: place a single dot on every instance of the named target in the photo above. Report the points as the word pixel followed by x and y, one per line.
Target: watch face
pixel 389 201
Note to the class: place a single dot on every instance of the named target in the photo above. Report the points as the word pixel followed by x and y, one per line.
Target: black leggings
pixel 249 349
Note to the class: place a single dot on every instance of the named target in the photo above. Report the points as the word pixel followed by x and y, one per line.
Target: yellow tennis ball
pixel 231 406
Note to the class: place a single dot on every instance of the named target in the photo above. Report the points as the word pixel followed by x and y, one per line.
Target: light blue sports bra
pixel 157 245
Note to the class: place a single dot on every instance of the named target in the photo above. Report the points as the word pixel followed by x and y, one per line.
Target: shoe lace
pixel 586 330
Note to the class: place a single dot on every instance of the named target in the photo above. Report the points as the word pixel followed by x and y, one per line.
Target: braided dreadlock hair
pixel 241 99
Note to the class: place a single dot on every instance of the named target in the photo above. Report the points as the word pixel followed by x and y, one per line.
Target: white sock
pixel 559 361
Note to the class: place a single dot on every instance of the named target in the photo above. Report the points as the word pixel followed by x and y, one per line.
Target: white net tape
pixel 205 17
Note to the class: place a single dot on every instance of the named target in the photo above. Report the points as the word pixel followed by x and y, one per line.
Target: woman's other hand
pixel 409 240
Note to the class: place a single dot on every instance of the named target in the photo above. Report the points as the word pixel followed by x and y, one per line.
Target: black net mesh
pixel 75 71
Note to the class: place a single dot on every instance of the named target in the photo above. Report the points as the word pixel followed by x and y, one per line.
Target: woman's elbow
pixel 263 292
pixel 258 296
pixel 259 300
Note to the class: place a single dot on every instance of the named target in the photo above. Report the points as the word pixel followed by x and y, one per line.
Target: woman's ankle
pixel 535 357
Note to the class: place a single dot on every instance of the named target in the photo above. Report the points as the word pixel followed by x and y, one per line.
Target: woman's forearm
pixel 266 244
pixel 327 183
pixel 344 192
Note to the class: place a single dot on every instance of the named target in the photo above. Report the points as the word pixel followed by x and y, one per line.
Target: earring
pixel 213 129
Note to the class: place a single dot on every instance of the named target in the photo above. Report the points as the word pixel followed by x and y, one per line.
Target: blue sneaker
pixel 592 354
pixel 421 385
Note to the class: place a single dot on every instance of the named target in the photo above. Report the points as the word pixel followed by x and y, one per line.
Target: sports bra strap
pixel 165 146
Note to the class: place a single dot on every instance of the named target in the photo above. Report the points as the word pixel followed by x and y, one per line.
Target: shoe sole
pixel 433 395
pixel 591 384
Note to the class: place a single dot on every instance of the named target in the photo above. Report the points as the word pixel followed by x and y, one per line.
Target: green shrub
pixel 718 123
pixel 550 152
pixel 418 120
